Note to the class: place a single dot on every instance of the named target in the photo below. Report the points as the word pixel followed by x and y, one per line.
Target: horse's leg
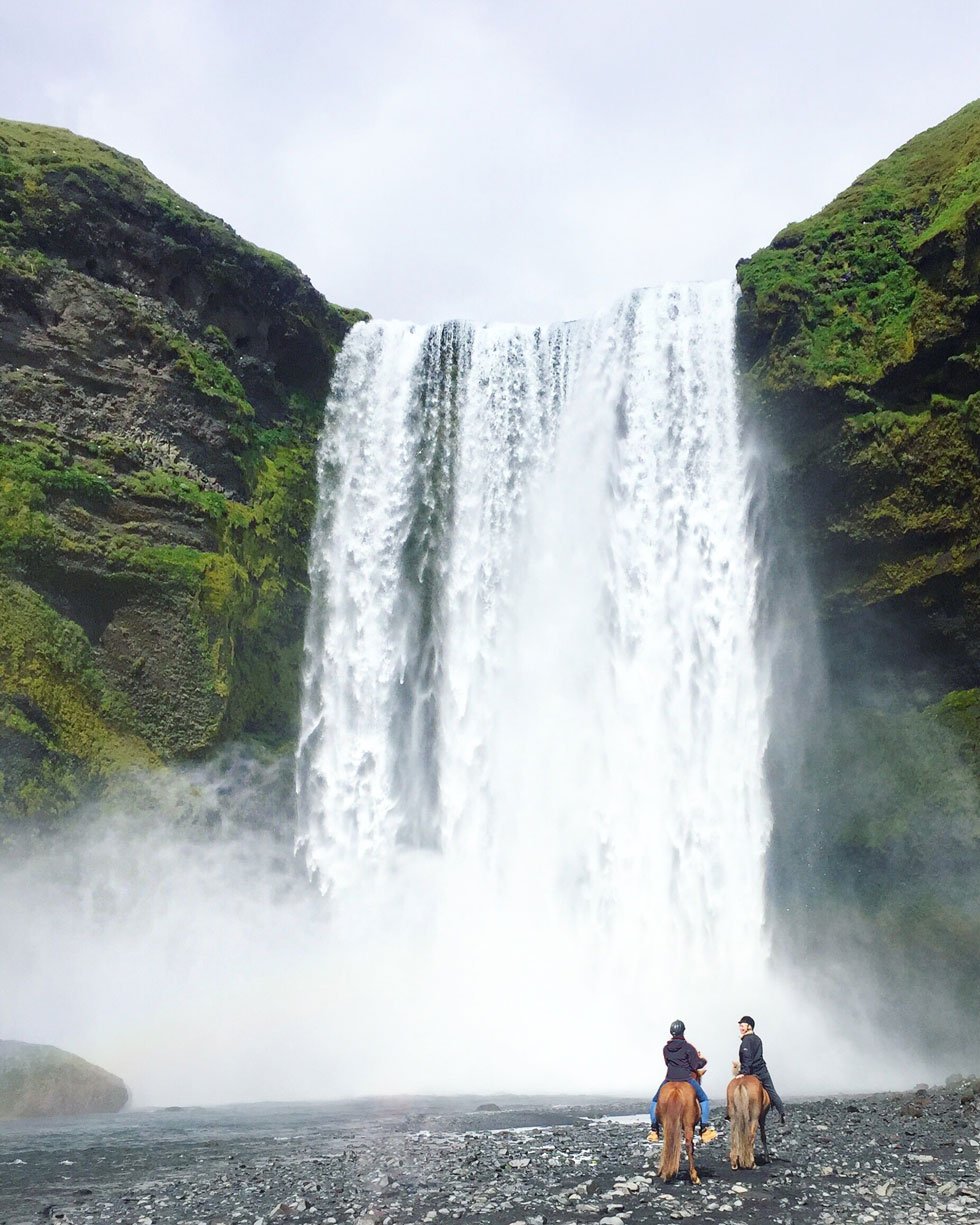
pixel 750 1147
pixel 762 1131
pixel 671 1118
pixel 689 1137
pixel 730 1115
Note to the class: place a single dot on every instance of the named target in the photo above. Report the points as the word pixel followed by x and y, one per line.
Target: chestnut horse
pixel 678 1109
pixel 748 1105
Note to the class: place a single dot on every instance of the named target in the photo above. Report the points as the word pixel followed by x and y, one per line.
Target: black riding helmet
pixel 676 1029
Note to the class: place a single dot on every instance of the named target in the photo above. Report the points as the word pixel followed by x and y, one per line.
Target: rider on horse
pixel 751 1063
pixel 682 1061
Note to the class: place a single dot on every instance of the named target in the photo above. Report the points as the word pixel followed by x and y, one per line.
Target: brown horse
pixel 748 1105
pixel 678 1110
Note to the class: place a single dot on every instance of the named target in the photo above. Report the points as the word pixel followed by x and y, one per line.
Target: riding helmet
pixel 676 1028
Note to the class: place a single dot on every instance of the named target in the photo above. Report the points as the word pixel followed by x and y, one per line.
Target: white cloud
pixel 506 160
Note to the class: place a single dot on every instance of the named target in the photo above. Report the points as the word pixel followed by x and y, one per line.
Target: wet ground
pixel 888 1158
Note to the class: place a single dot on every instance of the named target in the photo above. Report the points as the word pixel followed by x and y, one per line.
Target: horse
pixel 678 1110
pixel 748 1105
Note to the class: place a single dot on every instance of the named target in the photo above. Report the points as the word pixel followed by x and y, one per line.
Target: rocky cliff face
pixel 161 390
pixel 859 331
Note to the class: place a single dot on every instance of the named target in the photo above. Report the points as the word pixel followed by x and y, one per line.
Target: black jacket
pixel 682 1060
pixel 750 1056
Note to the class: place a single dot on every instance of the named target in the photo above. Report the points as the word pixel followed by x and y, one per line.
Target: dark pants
pixel 777 1102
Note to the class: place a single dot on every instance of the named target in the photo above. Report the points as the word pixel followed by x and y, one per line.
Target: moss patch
pixel 58 701
pixel 885 269
pixel 50 178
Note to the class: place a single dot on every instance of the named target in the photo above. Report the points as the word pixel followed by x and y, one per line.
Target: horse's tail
pixel 670 1154
pixel 743 1146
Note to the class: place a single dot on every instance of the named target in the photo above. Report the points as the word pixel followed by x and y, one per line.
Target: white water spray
pixel 533 723
pixel 530 771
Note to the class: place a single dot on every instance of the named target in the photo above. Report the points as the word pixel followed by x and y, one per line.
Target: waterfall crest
pixel 533 721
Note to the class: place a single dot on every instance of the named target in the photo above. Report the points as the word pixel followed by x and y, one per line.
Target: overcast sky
pixel 498 159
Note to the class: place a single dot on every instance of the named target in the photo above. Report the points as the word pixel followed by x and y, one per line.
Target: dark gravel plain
pixel 888 1158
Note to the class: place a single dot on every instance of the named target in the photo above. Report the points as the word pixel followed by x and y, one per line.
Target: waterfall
pixel 530 771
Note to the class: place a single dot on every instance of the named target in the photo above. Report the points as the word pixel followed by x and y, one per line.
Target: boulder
pixel 37 1081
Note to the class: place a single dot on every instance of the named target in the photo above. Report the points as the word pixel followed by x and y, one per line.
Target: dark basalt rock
pixel 322 1163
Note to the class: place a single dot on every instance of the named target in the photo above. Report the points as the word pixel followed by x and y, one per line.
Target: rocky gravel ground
pixel 887 1158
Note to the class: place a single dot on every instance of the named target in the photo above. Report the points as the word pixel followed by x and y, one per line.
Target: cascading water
pixel 530 775
pixel 531 763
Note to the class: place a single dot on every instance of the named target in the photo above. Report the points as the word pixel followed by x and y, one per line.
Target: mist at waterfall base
pixel 530 781
pixel 873 859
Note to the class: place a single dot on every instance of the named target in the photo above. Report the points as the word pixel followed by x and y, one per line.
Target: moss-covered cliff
pixel 860 329
pixel 859 334
pixel 161 387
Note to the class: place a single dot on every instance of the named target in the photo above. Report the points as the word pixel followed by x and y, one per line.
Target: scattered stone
pixel 541 1165
pixel 291 1208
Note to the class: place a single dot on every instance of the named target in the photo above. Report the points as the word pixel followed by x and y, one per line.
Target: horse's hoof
pixel 696 1181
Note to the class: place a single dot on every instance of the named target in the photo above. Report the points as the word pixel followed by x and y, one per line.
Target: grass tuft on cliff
pixel 53 179
pixel 887 268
